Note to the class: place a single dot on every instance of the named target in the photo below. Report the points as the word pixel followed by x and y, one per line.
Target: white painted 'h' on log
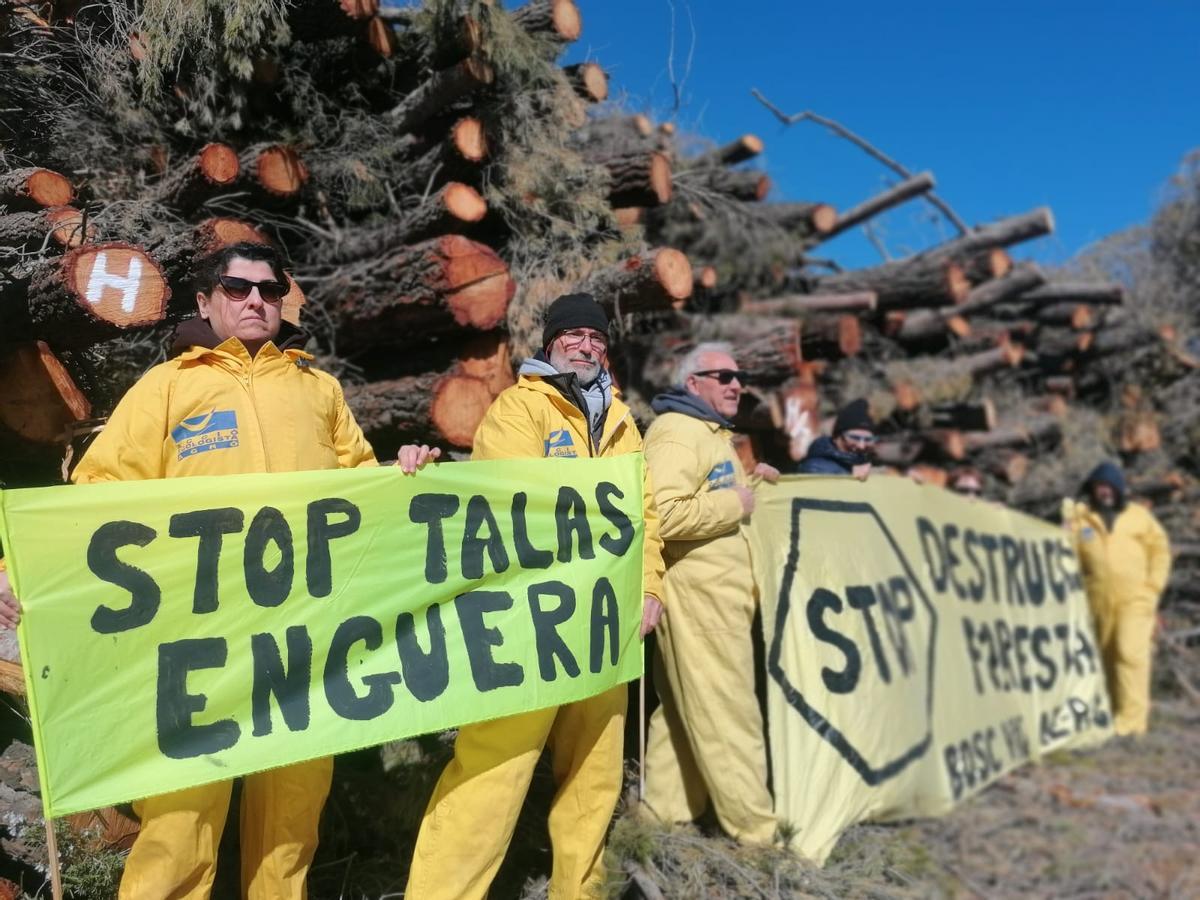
pixel 127 284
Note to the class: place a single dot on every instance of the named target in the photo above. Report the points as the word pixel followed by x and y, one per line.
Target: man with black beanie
pixel 849 451
pixel 564 404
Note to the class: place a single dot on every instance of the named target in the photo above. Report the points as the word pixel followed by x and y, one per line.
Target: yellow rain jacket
pixel 215 411
pixel 471 816
pixel 1125 571
pixel 706 737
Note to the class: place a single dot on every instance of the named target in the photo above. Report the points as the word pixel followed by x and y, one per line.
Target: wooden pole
pixel 56 888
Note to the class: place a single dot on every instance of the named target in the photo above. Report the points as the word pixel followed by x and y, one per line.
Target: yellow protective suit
pixel 470 818
pixel 706 738
pixel 216 411
pixel 1125 571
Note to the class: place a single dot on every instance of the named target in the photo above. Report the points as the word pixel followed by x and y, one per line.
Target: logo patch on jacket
pixel 216 430
pixel 560 443
pixel 721 476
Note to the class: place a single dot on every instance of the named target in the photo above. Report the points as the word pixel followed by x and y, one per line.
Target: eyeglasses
pixel 724 376
pixel 240 288
pixel 969 491
pixel 574 337
pixel 864 439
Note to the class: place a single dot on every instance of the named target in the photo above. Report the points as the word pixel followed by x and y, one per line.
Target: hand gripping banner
pixel 919 645
pixel 183 631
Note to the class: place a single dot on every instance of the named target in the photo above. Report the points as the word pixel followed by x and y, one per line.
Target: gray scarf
pixel 597 396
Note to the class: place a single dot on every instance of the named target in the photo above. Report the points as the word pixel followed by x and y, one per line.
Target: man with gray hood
pixel 564 404
pixel 706 738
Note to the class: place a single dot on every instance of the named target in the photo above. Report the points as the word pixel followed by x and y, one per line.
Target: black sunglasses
pixel 724 376
pixel 240 288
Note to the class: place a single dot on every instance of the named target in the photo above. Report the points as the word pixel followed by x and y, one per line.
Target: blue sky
pixel 1084 107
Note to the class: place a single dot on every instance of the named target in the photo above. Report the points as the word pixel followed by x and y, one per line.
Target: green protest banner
pixel 183 631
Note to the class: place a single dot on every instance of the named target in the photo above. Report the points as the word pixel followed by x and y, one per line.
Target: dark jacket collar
pixel 196 332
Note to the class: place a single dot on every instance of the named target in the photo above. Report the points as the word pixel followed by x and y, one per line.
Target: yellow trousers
pixel 706 737
pixel 175 854
pixel 1125 633
pixel 470 818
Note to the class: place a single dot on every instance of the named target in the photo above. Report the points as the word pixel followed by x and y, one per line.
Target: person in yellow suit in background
pixel 239 396
pixel 1126 558
pixel 706 737
pixel 563 405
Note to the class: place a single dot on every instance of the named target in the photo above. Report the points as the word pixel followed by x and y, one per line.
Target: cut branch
pixel 33 187
pixel 94 292
pixel 441 90
pixel 902 284
pixel 63 225
pixel 656 279
pixel 588 80
pixel 893 196
pixel 38 398
pixel 746 147
pixel 216 166
pixel 803 304
pixel 559 19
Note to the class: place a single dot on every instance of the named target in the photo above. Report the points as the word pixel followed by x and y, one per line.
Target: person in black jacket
pixel 849 450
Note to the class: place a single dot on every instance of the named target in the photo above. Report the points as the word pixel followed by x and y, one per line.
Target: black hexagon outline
pixel 795 699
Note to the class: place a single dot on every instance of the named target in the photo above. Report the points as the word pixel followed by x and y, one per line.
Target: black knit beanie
pixel 855 414
pixel 573 311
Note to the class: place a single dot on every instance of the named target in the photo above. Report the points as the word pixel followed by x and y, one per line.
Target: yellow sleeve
pixel 130 448
pixel 686 511
pixel 353 448
pixel 507 432
pixel 653 566
pixel 1158 556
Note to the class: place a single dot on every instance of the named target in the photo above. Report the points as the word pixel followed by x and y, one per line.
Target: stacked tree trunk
pixel 442 180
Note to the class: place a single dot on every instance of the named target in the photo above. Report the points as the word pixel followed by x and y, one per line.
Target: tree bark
pixel 656 279
pixel 1078 292
pixel 741 184
pixel 1034 429
pixel 964 416
pixel 1017 282
pixel 444 88
pixel 830 335
pixel 433 407
pixel 557 19
pixel 902 284
pixel 894 196
pixel 31 188
pixel 275 168
pixel 637 179
pixel 801 219
pixel 93 293
pixel 216 166
pixel 804 304
pixel 62 226
pixel 1071 315
pixel 415 292
pixel 38 397
pixel 737 151
pixel 1003 233
pixel 446 210
pixel 986 266
pixel 588 81
pixel 1003 356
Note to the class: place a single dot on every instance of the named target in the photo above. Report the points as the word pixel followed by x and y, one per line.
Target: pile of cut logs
pixel 424 296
